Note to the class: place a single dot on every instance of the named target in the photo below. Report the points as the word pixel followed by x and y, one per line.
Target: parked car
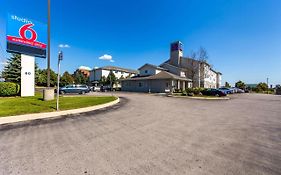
pixel 238 90
pixel 96 88
pixel 213 92
pixel 81 89
pixel 105 88
pixel 226 90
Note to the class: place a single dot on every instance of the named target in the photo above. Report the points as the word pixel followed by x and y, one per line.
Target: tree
pixel 195 66
pixel 111 79
pixel 202 55
pixel 12 71
pixel 42 78
pixel 227 85
pixel 261 87
pixel 80 78
pixel 66 79
pixel 103 80
pixel 240 84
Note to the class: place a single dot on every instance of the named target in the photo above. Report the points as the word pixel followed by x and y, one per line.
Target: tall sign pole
pixel 49 43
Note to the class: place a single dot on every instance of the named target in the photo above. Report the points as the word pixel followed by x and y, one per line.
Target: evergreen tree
pixel 12 71
pixel 111 79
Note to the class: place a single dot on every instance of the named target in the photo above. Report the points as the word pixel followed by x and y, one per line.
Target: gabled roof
pixel 153 66
pixel 114 68
pixel 160 76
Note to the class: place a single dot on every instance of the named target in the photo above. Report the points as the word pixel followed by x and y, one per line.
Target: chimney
pixel 176 53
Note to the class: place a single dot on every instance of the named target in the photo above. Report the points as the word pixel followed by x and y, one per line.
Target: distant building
pixel 155 79
pixel 202 74
pixel 84 70
pixel 177 73
pixel 97 73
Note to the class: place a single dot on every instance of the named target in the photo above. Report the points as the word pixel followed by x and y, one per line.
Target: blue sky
pixel 243 38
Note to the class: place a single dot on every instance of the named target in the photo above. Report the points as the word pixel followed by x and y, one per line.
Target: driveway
pixel 149 134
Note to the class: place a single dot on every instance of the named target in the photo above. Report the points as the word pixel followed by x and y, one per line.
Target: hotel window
pixel 140 84
pixel 145 71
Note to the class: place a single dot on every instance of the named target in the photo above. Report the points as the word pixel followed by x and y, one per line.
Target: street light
pixel 60 57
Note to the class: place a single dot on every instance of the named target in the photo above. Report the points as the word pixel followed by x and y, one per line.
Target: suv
pixel 81 89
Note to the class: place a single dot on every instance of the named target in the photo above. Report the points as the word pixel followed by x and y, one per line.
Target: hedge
pixel 9 89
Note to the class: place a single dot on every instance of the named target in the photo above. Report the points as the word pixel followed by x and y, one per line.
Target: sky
pixel 243 38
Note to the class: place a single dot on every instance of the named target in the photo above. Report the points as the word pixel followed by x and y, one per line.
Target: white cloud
pixel 105 57
pixel 64 46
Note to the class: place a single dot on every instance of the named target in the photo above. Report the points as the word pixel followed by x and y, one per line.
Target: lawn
pixel 25 105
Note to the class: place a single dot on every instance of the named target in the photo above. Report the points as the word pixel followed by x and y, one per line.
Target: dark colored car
pixel 81 89
pixel 105 88
pixel 213 92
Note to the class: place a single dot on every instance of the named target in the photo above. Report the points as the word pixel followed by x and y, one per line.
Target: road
pixel 149 134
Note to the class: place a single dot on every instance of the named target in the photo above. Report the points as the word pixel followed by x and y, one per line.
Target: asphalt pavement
pixel 151 134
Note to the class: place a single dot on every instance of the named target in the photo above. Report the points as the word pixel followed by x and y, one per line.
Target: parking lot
pixel 152 134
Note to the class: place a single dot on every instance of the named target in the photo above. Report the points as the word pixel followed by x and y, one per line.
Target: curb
pixel 29 117
pixel 201 98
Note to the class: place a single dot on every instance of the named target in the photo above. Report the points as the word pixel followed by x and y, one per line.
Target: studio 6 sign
pixel 26 36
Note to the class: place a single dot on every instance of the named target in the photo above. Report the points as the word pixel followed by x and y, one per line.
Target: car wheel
pixel 217 95
pixel 62 92
pixel 83 92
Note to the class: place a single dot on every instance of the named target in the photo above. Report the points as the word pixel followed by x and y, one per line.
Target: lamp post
pixel 60 57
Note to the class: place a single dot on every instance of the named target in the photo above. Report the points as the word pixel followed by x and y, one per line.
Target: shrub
pixel 9 89
pixel 197 91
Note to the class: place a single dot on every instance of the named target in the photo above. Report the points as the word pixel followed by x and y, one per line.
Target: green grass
pixel 26 105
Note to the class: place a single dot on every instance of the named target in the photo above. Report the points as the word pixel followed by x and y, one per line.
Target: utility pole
pixel 267 84
pixel 60 57
pixel 49 49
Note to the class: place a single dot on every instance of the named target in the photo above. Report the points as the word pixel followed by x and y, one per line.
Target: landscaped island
pixel 26 105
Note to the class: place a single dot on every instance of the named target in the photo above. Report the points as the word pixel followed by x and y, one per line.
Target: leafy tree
pixel 103 80
pixel 261 87
pixel 42 78
pixel 80 78
pixel 12 71
pixel 227 85
pixel 66 79
pixel 240 84
pixel 111 79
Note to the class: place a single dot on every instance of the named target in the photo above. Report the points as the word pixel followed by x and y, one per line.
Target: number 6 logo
pixel 27 27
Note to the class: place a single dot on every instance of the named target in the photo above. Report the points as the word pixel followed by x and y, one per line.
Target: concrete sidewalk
pixel 27 117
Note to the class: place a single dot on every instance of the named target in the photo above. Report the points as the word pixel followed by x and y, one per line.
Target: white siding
pixel 148 70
